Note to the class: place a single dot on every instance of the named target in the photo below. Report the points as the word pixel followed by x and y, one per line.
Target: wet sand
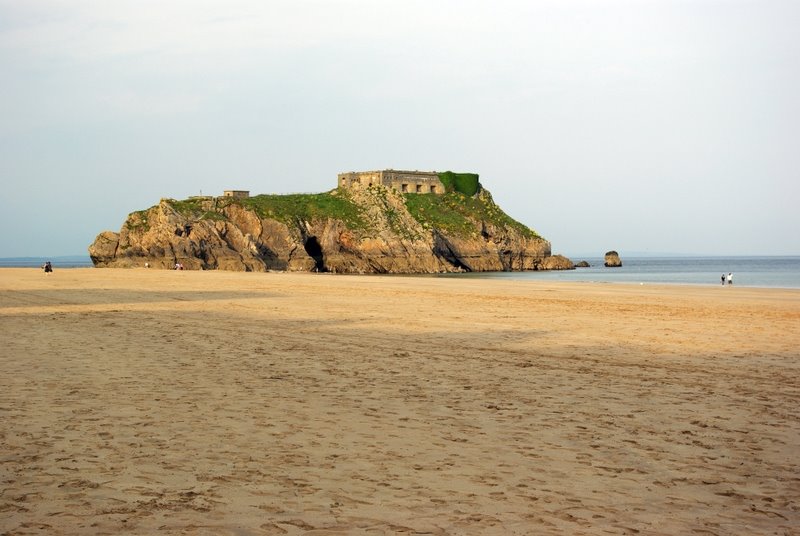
pixel 161 402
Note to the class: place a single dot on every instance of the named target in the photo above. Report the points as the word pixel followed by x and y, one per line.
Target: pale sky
pixel 635 125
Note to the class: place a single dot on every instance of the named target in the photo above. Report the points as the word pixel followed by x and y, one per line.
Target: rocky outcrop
pixel 612 260
pixel 582 264
pixel 557 262
pixel 228 234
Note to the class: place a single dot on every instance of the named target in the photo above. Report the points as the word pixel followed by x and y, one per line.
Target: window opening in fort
pixel 433 188
pixel 419 188
pixel 404 188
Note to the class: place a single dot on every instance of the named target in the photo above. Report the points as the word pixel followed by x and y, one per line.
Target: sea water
pixel 73 261
pixel 778 272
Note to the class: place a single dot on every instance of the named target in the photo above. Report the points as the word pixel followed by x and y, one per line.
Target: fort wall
pixel 419 182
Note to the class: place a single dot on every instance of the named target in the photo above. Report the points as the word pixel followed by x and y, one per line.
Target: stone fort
pixel 419 182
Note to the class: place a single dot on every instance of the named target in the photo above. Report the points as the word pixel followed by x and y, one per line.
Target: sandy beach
pixel 161 402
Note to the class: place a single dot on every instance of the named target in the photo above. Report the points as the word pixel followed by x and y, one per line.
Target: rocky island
pixel 373 222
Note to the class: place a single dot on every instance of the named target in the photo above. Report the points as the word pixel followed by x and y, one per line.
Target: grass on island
pixel 289 208
pixel 465 183
pixel 198 208
pixel 457 213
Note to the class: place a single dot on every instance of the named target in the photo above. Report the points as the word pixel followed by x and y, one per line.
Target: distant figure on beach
pixel 723 279
pixel 730 278
pixel 47 267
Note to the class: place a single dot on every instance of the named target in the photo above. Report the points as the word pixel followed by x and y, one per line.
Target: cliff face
pixel 374 230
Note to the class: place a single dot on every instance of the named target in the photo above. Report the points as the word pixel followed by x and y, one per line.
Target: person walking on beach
pixel 730 278
pixel 723 280
pixel 48 268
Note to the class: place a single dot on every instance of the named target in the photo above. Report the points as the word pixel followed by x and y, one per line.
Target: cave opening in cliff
pixel 314 251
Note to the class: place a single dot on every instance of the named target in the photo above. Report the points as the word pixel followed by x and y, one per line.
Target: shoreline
pixel 509 277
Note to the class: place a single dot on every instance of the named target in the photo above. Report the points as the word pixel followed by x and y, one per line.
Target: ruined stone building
pixel 240 194
pixel 420 182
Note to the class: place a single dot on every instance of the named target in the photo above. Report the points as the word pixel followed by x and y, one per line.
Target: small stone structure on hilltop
pixel 419 182
pixel 239 194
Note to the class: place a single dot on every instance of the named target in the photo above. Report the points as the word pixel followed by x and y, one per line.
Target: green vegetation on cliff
pixel 201 208
pixel 137 221
pixel 287 208
pixel 291 207
pixel 455 212
pixel 465 183
pixel 458 213
pixel 194 206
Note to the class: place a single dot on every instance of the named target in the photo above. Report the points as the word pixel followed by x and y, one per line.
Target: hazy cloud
pixel 647 124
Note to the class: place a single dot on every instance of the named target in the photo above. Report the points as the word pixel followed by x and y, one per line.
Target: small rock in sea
pixel 612 259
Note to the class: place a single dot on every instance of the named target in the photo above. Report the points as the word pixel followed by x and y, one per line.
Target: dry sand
pixel 161 402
